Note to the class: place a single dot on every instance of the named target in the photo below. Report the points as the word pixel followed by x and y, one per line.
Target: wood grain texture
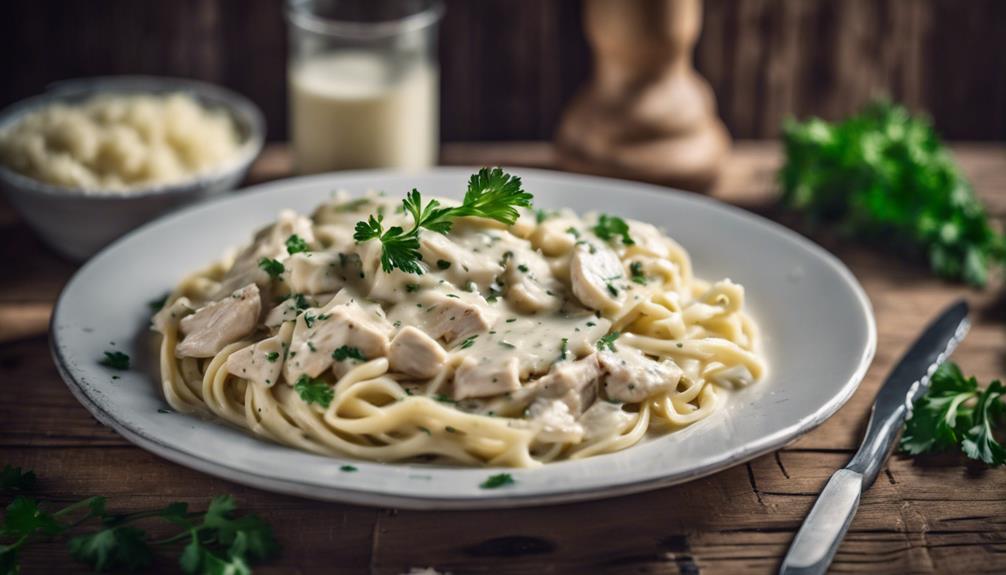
pixel 509 66
pixel 924 515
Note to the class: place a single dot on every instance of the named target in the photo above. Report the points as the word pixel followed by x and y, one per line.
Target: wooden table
pixel 923 515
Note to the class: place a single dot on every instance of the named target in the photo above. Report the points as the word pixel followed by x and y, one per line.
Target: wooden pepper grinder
pixel 647 113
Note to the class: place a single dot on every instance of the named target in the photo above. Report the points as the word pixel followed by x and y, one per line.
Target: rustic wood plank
pixel 934 514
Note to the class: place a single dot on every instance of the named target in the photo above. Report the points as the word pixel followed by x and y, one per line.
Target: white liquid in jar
pixel 358 110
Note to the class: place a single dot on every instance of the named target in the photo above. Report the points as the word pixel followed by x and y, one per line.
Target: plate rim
pixel 491 499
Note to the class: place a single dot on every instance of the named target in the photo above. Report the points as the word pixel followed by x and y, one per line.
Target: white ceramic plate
pixel 819 338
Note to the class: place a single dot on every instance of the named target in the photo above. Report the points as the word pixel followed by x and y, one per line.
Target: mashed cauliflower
pixel 118 142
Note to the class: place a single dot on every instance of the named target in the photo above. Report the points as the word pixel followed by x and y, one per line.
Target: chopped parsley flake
pixel 346 352
pixel 115 360
pixel 314 391
pixel 309 320
pixel 443 398
pixel 523 268
pixel 511 320
pixel 507 345
pixel 411 288
pixel 348 468
pixel 563 348
pixel 443 264
pixel 272 267
pixel 573 232
pixel 608 227
pixel 272 356
pixel 636 268
pixel 468 342
pixel 612 289
pixel 608 341
pixel 296 244
pixel 498 480
pixel 157 305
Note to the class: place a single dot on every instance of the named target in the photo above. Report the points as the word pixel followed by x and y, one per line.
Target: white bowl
pixel 78 223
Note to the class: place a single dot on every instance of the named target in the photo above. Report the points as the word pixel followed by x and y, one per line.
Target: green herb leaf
pixel 346 352
pixel 956 413
pixel 115 547
pixel 115 360
pixel 979 441
pixel 296 244
pixel 348 468
pixel 272 267
pixel 13 479
pixel 884 176
pixel 272 356
pixel 157 304
pixel 491 194
pixel 498 480
pixel 637 274
pixel 608 341
pixel 610 227
pixel 24 518
pixel 314 391
pixel 468 342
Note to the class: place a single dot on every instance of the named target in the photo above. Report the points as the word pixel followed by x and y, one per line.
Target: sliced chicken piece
pixel 261 363
pixel 172 314
pixel 574 382
pixel 556 236
pixel 319 334
pixel 597 277
pixel 457 316
pixel 632 377
pixel 269 242
pixel 313 272
pixel 214 326
pixel 558 425
pixel 603 419
pixel 416 354
pixel 530 286
pixel 459 263
pixel 526 223
pixel 486 377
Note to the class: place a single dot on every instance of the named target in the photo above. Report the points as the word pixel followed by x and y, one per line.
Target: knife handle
pixel 822 532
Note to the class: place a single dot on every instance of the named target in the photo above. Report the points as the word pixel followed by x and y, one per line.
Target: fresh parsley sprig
pixel 492 193
pixel 884 176
pixel 217 540
pixel 956 413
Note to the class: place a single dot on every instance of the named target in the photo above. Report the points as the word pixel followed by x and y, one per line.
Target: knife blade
pixel 822 531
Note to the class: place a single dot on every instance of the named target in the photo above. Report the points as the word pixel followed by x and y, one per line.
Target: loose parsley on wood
pixel 884 176
pixel 956 413
pixel 492 193
pixel 218 541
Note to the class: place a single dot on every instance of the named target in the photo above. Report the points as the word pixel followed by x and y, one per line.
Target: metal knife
pixel 824 528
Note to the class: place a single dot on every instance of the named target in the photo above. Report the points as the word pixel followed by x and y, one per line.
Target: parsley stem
pixel 75 506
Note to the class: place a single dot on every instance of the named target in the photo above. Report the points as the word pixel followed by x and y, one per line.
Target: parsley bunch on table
pixel 957 413
pixel 492 193
pixel 884 176
pixel 217 541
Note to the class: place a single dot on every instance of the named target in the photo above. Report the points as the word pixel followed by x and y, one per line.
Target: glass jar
pixel 363 80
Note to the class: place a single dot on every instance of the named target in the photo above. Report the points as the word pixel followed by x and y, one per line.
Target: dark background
pixel 508 66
